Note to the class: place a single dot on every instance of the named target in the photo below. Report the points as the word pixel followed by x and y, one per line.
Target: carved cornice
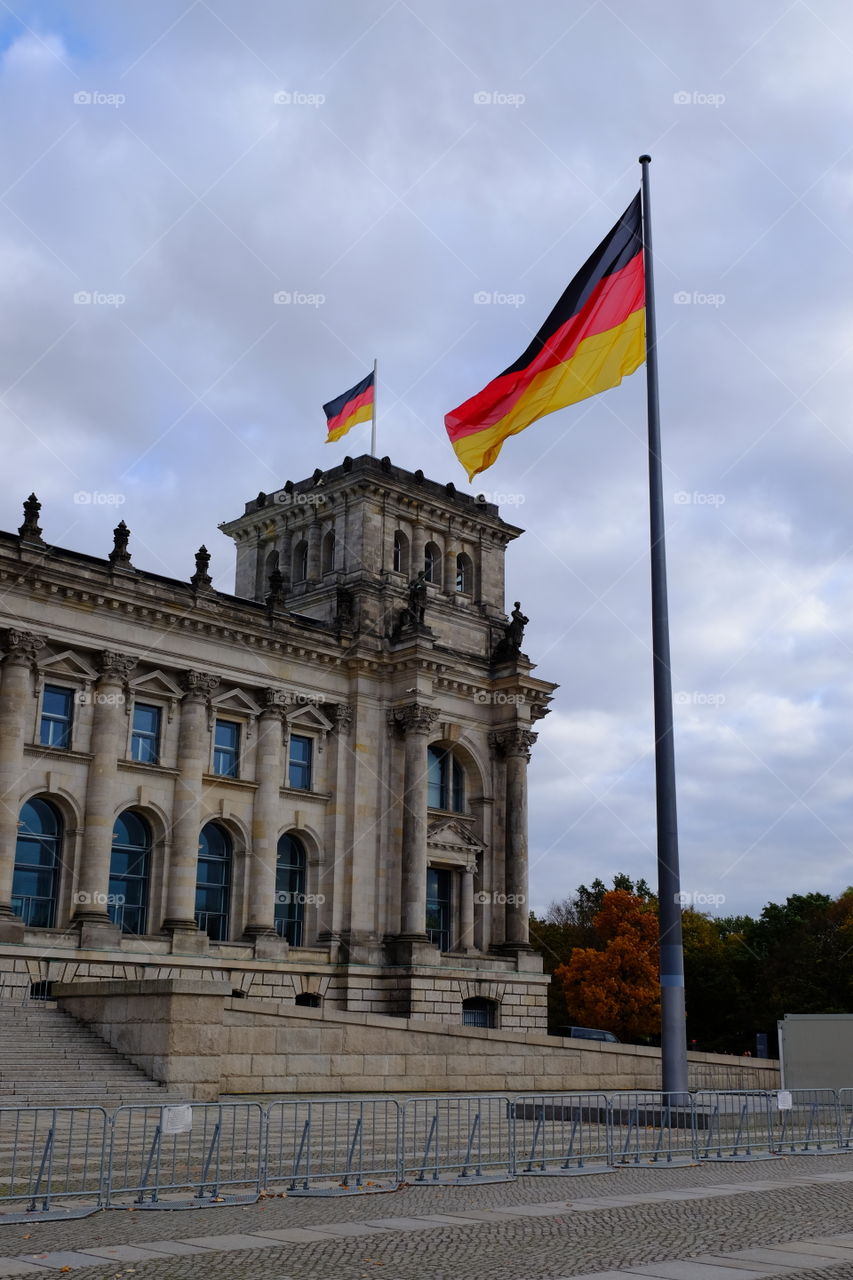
pixel 513 742
pixel 199 685
pixel 413 718
pixel 22 647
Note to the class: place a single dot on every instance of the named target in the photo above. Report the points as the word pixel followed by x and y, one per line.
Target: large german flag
pixel 594 337
pixel 354 406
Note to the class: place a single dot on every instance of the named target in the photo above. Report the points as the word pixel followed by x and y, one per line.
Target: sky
pixel 421 179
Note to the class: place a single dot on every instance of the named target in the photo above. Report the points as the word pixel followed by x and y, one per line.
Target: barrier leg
pixel 46 1156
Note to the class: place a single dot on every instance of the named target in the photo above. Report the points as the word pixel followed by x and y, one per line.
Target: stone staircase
pixel 47 1058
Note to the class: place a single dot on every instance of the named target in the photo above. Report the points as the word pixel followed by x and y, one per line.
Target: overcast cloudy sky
pixel 387 161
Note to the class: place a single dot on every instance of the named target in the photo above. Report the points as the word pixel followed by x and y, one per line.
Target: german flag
pixel 594 337
pixel 354 406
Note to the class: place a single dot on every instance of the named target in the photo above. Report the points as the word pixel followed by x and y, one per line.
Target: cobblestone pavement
pixel 533 1229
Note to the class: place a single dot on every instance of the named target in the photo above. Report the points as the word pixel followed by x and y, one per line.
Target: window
pixel 307 1000
pixel 445 781
pixel 226 749
pixel 290 890
pixel 464 575
pixel 438 908
pixel 145 735
pixel 37 854
pixel 329 552
pixel 477 1012
pixel 300 562
pixel 299 763
pixel 401 553
pixel 56 716
pixel 432 563
pixel 213 882
pixel 129 864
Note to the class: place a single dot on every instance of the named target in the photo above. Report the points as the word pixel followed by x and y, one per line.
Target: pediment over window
pixel 454 841
pixel 157 684
pixel 309 717
pixel 67 664
pixel 236 700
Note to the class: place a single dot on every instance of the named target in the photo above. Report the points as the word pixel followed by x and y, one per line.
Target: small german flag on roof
pixel 354 406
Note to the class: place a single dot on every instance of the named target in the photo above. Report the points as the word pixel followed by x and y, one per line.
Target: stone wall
pixel 198 1037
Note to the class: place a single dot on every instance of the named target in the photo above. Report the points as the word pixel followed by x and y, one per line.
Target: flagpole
pixel 673 1016
pixel 373 420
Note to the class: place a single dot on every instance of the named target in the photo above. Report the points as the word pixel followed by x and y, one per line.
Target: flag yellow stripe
pixel 364 414
pixel 600 361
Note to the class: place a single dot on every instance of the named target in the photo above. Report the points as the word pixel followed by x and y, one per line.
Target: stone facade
pixel 313 790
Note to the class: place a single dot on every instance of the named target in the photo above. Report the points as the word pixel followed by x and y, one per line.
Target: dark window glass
pixel 401 553
pixel 300 562
pixel 145 735
pixel 445 781
pixel 438 908
pixel 432 563
pixel 129 869
pixel 290 890
pixel 329 552
pixel 226 749
pixel 464 575
pixel 213 882
pixel 37 855
pixel 57 708
pixel 477 1012
pixel 307 1000
pixel 299 762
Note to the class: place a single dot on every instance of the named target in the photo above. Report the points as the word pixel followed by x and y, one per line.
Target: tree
pixel 616 987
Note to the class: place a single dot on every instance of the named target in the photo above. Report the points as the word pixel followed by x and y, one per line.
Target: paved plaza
pixel 790 1217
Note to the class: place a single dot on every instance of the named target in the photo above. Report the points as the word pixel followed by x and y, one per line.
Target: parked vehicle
pixel 587 1033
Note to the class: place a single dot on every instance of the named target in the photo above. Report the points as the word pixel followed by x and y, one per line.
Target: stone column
pixel 266 813
pixel 193 759
pixel 109 728
pixel 313 538
pixel 416 722
pixel 416 549
pixel 515 745
pixel 466 908
pixel 16 712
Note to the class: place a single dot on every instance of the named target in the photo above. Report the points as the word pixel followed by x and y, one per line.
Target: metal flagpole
pixel 373 420
pixel 673 1017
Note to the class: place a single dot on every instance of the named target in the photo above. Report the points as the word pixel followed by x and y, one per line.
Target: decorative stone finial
pixel 201 578
pixel 30 530
pixel 119 557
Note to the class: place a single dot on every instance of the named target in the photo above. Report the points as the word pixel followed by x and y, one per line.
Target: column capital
pixel 274 704
pixel 343 715
pixel 114 666
pixel 22 647
pixel 413 718
pixel 513 742
pixel 199 685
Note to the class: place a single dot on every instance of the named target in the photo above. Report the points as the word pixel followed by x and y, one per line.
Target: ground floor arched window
pixel 290 890
pixel 130 862
pixel 37 860
pixel 213 882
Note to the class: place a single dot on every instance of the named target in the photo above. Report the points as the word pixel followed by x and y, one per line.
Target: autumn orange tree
pixel 617 987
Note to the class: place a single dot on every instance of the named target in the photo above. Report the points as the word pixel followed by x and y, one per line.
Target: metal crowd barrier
pixel 562 1133
pixel 457 1140
pixel 185 1156
pixel 333 1147
pixel 808 1122
pixel 52 1162
pixel 735 1125
pixel 652 1128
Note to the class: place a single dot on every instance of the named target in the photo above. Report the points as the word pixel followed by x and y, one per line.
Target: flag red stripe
pixel 350 408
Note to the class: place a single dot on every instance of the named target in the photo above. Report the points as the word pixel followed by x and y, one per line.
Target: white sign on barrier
pixel 176 1120
pixel 784 1100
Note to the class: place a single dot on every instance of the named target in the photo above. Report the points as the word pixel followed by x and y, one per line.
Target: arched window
pixel 445 781
pixel 432 563
pixel 37 855
pixel 478 1012
pixel 464 575
pixel 213 882
pixel 329 552
pixel 290 890
pixel 307 1000
pixel 300 562
pixel 401 552
pixel 129 870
